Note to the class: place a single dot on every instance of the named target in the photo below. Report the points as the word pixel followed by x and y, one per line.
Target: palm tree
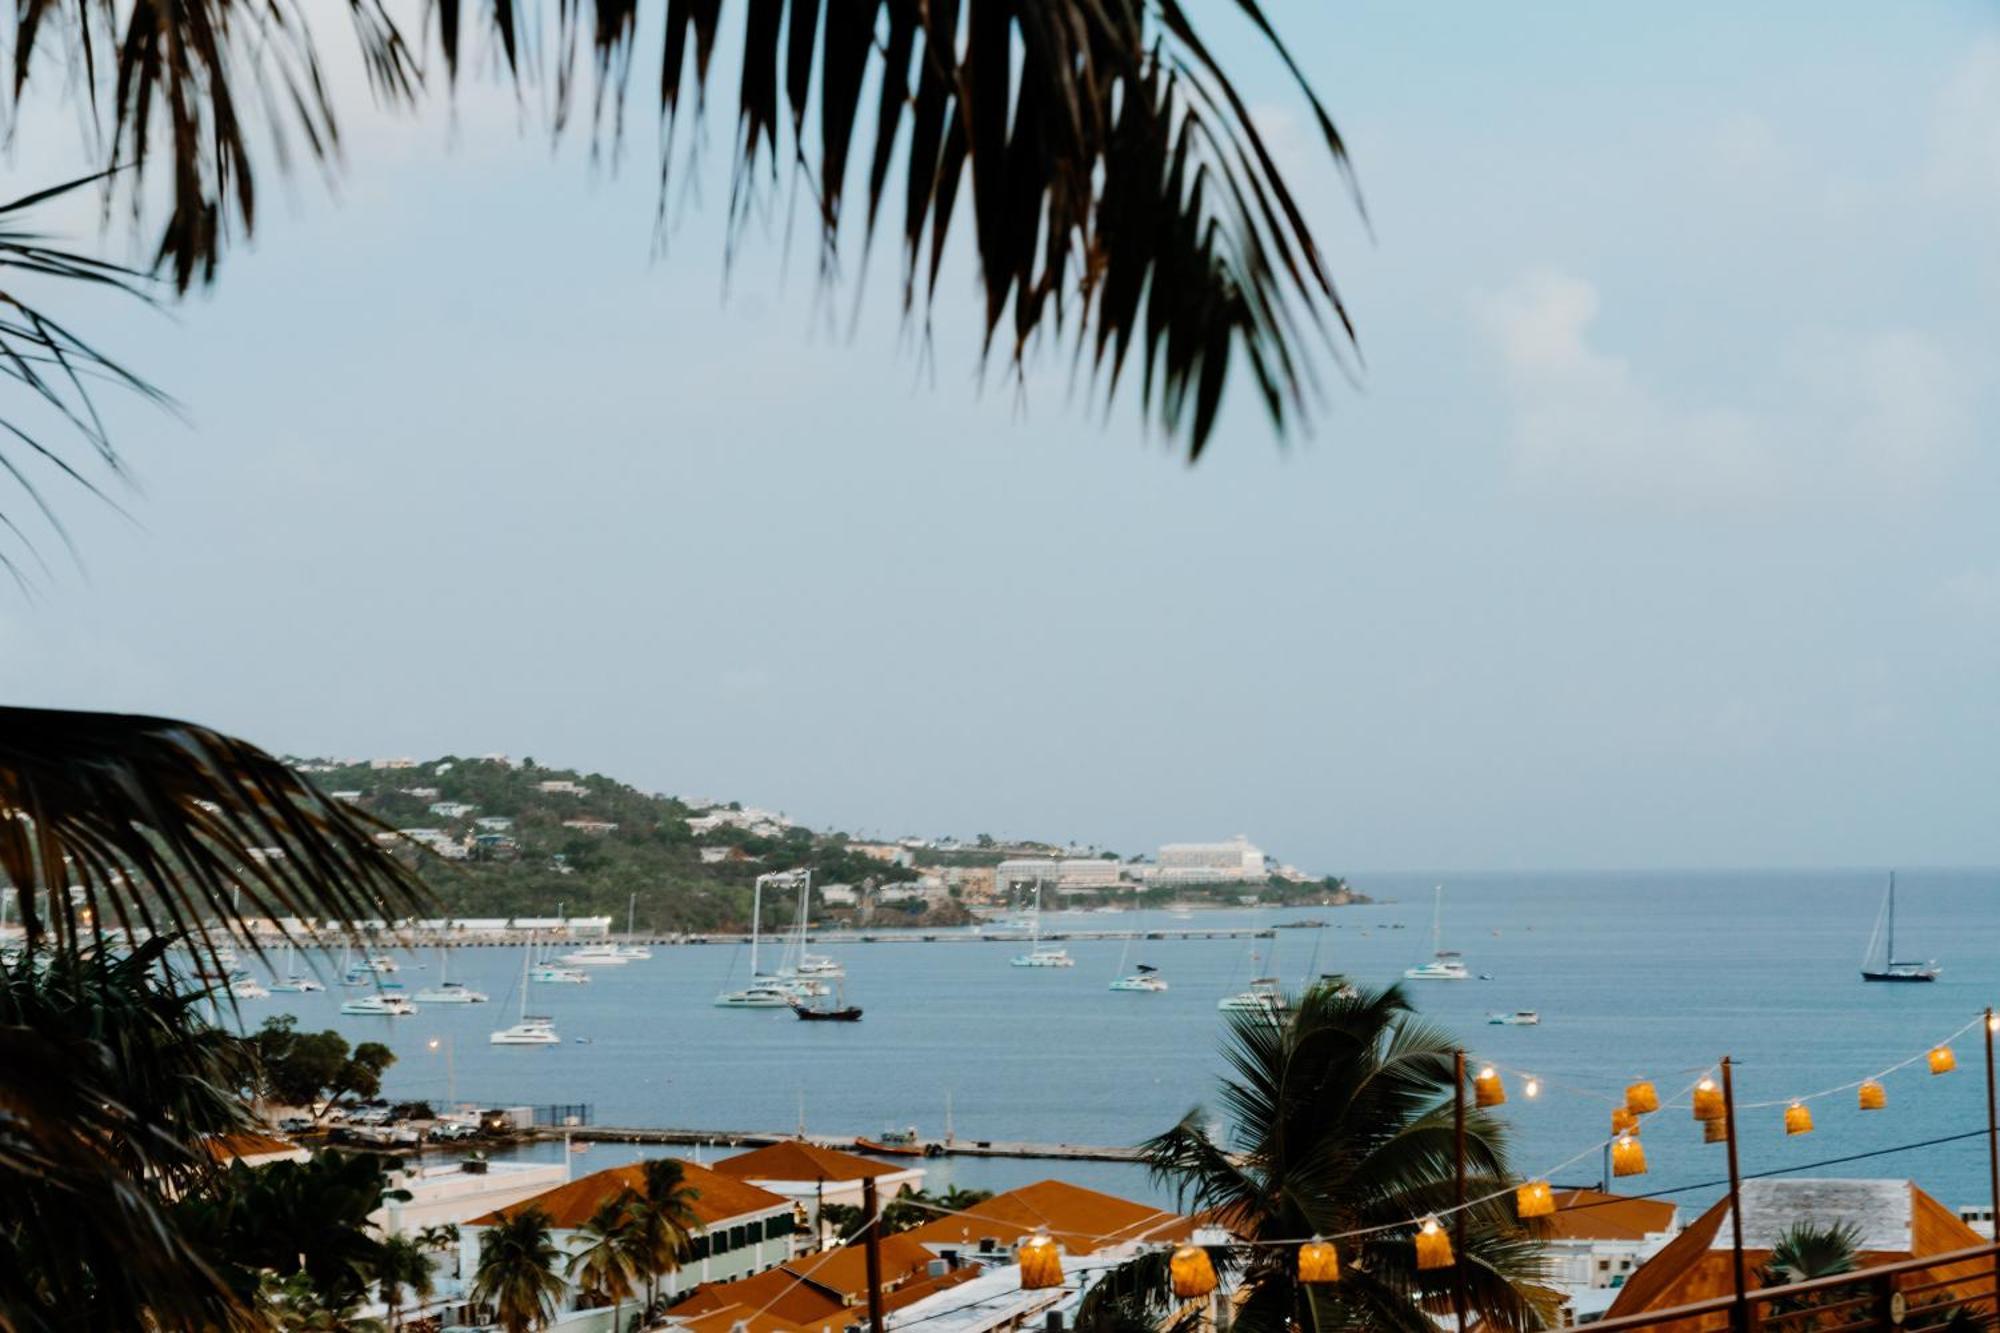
pixel 605 1268
pixel 663 1221
pixel 1340 1120
pixel 404 1263
pixel 517 1271
pixel 442 1238
pixel 1805 1251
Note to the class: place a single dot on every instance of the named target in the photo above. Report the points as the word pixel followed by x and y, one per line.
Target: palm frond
pixel 1120 190
pixel 165 828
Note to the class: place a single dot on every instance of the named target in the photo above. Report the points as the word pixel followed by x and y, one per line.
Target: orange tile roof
pixel 718 1198
pixel 1082 1221
pixel 795 1160
pixel 781 1301
pixel 844 1271
pixel 247 1143
pixel 1584 1214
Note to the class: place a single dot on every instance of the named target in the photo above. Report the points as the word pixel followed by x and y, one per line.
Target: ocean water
pixel 1635 975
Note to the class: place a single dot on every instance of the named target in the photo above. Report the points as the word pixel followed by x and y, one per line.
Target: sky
pixel 1658 530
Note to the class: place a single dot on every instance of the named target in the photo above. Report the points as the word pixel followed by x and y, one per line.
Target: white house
pixel 1234 861
pixel 451 809
pixel 1596 1240
pixel 562 787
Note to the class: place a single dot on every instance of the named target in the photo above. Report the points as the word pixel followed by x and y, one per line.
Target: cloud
pixel 1836 414
pixel 1964 157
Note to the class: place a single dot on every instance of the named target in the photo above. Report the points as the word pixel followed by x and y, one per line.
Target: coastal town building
pixel 1236 860
pixel 1596 1241
pixel 1058 873
pixel 1893 1220
pixel 451 809
pixel 562 787
pixel 826 1290
pixel 744 1230
pixel 586 824
pixel 812 1176
pixel 448 1192
pixel 1082 1221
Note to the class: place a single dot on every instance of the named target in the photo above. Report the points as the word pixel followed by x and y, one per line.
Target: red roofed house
pixel 1597 1240
pixel 1894 1218
pixel 810 1175
pixel 744 1230
pixel 1082 1221
pixel 818 1291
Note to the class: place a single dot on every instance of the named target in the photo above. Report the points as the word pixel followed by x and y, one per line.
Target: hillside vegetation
pixel 538 863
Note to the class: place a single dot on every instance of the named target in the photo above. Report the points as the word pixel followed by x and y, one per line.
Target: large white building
pixel 1236 860
pixel 1059 872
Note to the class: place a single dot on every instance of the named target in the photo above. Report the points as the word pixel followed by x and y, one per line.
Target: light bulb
pixel 1532 1088
pixel 1993 1022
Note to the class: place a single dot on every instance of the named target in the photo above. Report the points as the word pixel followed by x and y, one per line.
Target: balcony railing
pixel 1943 1293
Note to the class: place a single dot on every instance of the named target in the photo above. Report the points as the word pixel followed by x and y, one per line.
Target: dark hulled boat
pixel 1890 968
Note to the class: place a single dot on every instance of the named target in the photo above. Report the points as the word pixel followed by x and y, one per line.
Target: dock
pixel 739 1138
pixel 422 939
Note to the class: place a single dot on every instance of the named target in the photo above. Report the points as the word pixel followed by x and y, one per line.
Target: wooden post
pixel 1993 1151
pixel 1458 1192
pixel 1739 1318
pixel 874 1253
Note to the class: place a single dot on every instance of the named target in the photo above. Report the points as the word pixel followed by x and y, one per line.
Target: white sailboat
pixel 447 991
pixel 546 972
pixel 1147 980
pixel 595 955
pixel 1890 968
pixel 762 992
pixel 1039 954
pixel 633 952
pixel 295 981
pixel 1445 964
pixel 378 1006
pixel 1265 996
pixel 532 1030
pixel 243 986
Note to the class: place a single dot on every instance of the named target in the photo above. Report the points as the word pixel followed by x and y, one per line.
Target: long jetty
pixel 414 938
pixel 743 1138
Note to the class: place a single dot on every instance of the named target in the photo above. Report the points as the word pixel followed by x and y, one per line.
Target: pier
pixel 495 939
pixel 740 1138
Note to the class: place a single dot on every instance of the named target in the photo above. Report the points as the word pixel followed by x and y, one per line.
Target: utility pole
pixel 874 1253
pixel 1992 1140
pixel 1458 1194
pixel 1739 1316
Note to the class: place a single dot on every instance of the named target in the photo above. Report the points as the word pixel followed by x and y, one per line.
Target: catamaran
pixel 533 1029
pixel 296 981
pixel 379 1006
pixel 1038 954
pixel 1445 964
pixel 763 992
pixel 1147 978
pixel 243 986
pixel 1264 997
pixel 447 991
pixel 634 952
pixel 1890 968
pixel 595 955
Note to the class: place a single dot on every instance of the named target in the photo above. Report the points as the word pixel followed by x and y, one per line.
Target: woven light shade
pixel 1707 1100
pixel 1640 1098
pixel 1433 1245
pixel 1623 1121
pixel 1319 1263
pixel 1041 1263
pixel 1942 1060
pixel 1628 1156
pixel 1534 1199
pixel 1871 1096
pixel 1487 1089
pixel 1715 1131
pixel 1192 1274
pixel 1798 1119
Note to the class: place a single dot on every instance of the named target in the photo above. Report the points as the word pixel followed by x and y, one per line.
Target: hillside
pixel 512 839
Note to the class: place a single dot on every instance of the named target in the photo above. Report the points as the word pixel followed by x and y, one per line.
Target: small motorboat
pixel 1520 1018
pixel 848 1014
pixel 1146 979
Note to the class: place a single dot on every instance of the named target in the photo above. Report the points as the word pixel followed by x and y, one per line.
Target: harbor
pixel 932 1148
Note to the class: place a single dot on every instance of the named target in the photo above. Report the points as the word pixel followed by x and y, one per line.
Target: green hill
pixel 538 860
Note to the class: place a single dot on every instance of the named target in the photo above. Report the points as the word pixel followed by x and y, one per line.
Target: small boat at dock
pixel 1520 1018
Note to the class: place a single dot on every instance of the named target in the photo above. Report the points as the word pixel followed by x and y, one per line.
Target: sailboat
pixel 840 1011
pixel 1891 969
pixel 296 981
pixel 549 972
pixel 1445 964
pixel 1039 955
pixel 446 991
pixel 532 1030
pixel 635 952
pixel 1147 980
pixel 801 972
pixel 762 992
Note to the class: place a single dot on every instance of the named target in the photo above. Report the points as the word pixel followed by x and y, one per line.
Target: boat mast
pixel 756 911
pixel 1437 923
pixel 1891 959
pixel 1035 944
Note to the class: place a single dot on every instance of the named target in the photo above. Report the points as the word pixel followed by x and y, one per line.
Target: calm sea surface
pixel 1633 974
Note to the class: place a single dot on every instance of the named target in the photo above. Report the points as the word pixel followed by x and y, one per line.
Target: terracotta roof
pixel 794 1160
pixel 780 1301
pixel 844 1271
pixel 1899 1221
pixel 248 1143
pixel 1583 1214
pixel 718 1198
pixel 1082 1221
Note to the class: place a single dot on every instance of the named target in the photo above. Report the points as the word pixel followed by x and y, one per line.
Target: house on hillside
pixel 744 1230
pixel 812 1176
pixel 819 1292
pixel 1895 1219
pixel 562 787
pixel 1596 1241
pixel 589 824
pixel 493 823
pixel 451 809
pixel 1082 1221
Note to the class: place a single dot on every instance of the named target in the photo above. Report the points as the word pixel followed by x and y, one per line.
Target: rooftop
pixel 1586 1214
pixel 717 1198
pixel 1082 1221
pixel 796 1160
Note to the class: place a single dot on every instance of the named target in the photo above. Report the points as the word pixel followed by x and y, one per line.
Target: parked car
pixel 296 1124
pixel 450 1130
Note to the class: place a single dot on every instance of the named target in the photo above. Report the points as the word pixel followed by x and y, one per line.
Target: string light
pixel 1628 1156
pixel 1993 1022
pixel 1041 1262
pixel 1942 1061
pixel 1715 1131
pixel 1623 1121
pixel 1871 1096
pixel 1191 1272
pixel 1534 1199
pixel 1487 1089
pixel 1707 1100
pixel 1532 1088
pixel 1641 1098
pixel 1433 1245
pixel 1319 1262
pixel 1798 1118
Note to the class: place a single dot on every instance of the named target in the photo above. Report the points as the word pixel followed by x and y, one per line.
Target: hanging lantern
pixel 1798 1118
pixel 1192 1273
pixel 1942 1060
pixel 1715 1131
pixel 1641 1099
pixel 1433 1245
pixel 1534 1199
pixel 1487 1089
pixel 1628 1156
pixel 1623 1121
pixel 1871 1096
pixel 1707 1100
pixel 1041 1262
pixel 1319 1263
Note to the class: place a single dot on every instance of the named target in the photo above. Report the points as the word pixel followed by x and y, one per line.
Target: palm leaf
pixel 1121 190
pixel 166 828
